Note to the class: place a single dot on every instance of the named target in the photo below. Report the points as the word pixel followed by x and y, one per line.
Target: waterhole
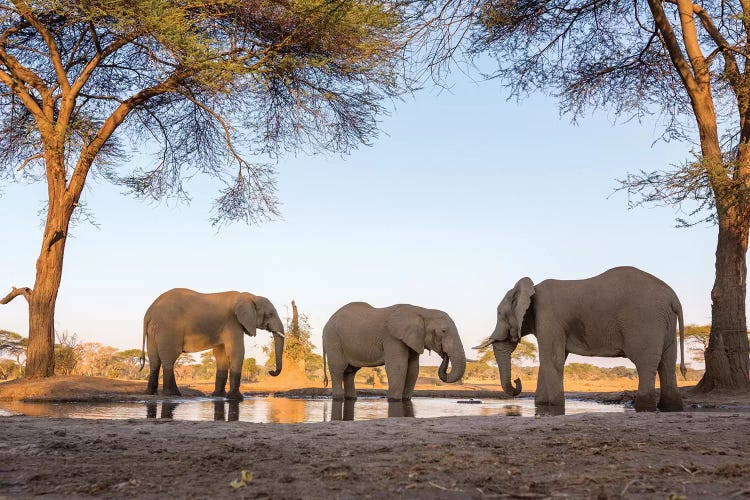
pixel 295 410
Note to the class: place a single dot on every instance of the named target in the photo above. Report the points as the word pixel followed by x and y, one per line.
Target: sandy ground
pixel 607 455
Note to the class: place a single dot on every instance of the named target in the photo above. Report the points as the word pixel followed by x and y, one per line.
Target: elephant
pixel 623 312
pixel 182 320
pixel 360 335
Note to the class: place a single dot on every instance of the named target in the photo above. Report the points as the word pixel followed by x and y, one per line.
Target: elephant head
pixel 253 312
pixel 511 315
pixel 434 330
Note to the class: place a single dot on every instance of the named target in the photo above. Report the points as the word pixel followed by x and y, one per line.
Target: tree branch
pixel 109 126
pixel 69 98
pixel 673 47
pixel 29 160
pixel 721 42
pixel 49 40
pixel 25 291
pixel 690 39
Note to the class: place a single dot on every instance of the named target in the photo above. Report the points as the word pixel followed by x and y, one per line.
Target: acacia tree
pixel 297 349
pixel 207 83
pixel 686 61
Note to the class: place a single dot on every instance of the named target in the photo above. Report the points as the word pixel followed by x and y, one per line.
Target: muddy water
pixel 287 410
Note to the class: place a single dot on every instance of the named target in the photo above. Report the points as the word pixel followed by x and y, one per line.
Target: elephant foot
pixel 670 400
pixel 350 398
pixel 219 394
pixel 556 401
pixel 395 400
pixel 645 402
pixel 549 410
pixel 235 396
pixel 171 392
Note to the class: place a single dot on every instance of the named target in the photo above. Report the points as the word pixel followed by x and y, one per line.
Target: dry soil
pixel 699 454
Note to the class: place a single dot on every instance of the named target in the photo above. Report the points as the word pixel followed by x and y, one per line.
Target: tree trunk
pixel 40 358
pixel 727 352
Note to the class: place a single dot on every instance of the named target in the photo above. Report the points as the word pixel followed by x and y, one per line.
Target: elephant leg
pixel 350 392
pixel 236 355
pixel 396 356
pixel 170 385
pixel 549 389
pixel 234 393
pixel 645 397
pixel 153 376
pixel 154 365
pixel 669 396
pixel 336 368
pixel 412 373
pixel 222 369
pixel 644 348
pixel 337 385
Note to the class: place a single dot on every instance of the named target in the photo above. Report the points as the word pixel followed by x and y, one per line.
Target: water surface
pixel 294 410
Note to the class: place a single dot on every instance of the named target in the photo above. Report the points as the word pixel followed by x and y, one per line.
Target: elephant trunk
pixel 503 350
pixel 278 344
pixel 457 359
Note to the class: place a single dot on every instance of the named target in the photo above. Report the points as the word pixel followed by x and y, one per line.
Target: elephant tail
pixel 143 344
pixel 325 370
pixel 677 308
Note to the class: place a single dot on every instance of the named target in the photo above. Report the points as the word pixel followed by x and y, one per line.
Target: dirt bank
pixel 79 388
pixel 696 455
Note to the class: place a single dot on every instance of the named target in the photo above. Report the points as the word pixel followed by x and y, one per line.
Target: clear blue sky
pixel 461 195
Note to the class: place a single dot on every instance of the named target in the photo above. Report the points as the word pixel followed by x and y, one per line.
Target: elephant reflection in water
pixel 167 409
pixel 344 410
pixel 232 416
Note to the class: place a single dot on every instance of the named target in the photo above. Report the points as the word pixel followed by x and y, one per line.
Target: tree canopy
pixel 683 61
pixel 207 83
pixel 209 87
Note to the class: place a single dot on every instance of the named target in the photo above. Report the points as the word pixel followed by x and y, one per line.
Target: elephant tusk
pixel 279 334
pixel 485 343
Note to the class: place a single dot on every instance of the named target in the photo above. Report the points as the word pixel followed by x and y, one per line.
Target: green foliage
pixel 696 340
pixel 210 83
pixel 297 344
pixel 66 352
pixel 314 366
pixel 368 375
pixel 13 344
pixel 126 364
pixel 585 371
pixel 250 370
pixel 479 370
pixel 206 368
pixel 10 369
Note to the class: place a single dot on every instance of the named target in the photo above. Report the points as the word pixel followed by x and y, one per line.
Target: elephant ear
pixel 523 291
pixel 246 314
pixel 408 327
